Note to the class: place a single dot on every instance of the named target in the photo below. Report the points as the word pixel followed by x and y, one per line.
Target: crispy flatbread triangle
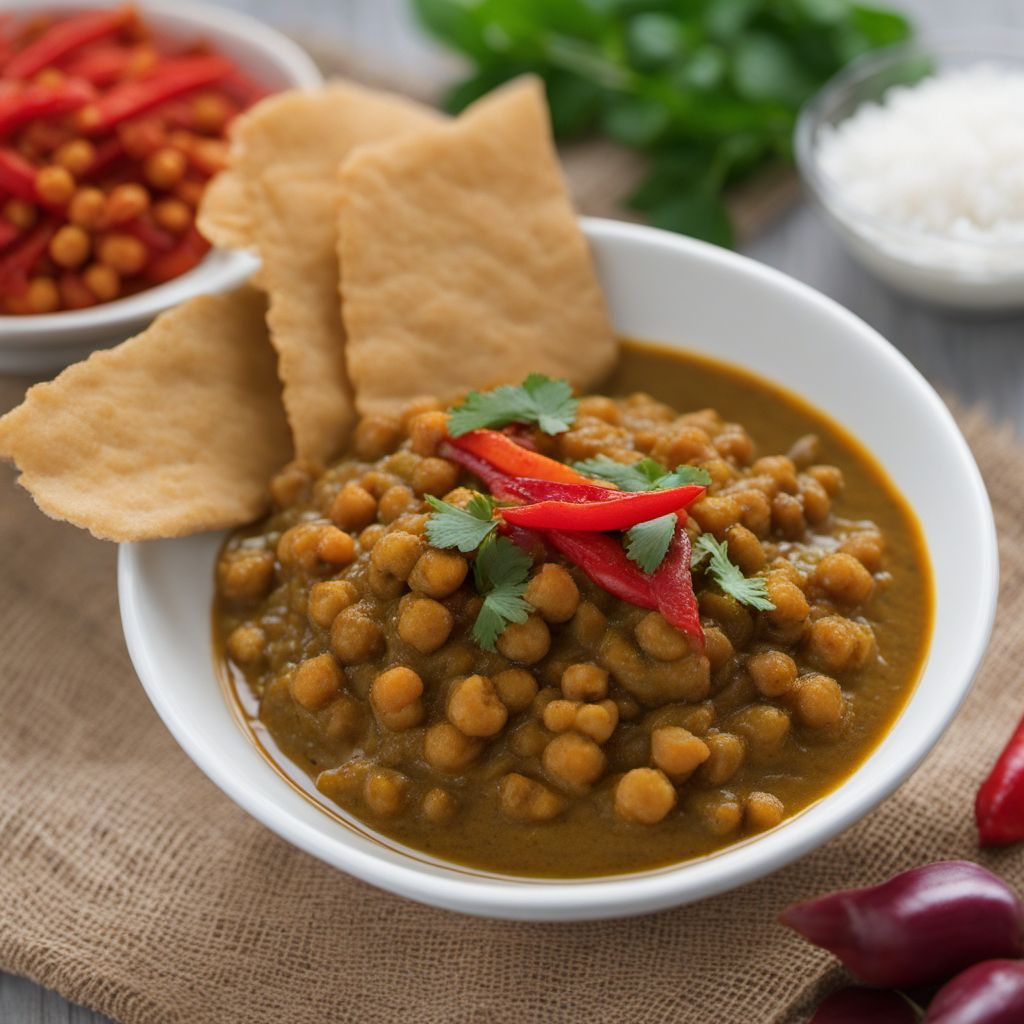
pixel 280 196
pixel 176 430
pixel 464 265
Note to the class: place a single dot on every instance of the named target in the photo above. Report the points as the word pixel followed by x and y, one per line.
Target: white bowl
pixel 671 289
pixel 37 344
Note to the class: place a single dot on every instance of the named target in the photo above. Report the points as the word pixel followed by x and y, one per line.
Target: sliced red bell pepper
pixel 169 79
pixel 620 511
pixel 29 102
pixel 191 248
pixel 17 176
pixel 505 455
pixel 672 585
pixel 64 37
pixel 603 559
pixel 999 806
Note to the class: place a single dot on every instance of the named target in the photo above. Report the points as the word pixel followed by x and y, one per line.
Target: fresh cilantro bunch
pixel 539 400
pixel 707 89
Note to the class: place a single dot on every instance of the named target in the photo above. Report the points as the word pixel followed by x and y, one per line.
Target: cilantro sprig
pixel 538 400
pixel 747 590
pixel 501 571
pixel 646 543
pixel 463 528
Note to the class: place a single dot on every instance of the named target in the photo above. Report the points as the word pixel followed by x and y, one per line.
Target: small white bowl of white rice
pixel 916 156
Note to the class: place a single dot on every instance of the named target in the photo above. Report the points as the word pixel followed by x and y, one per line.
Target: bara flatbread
pixel 176 430
pixel 280 196
pixel 464 265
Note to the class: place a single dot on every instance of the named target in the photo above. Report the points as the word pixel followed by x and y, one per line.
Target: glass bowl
pixel 966 274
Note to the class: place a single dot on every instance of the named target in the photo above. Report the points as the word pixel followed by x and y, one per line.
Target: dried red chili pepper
pixel 26 103
pixel 854 1005
pixel 64 37
pixel 513 459
pixel 617 511
pixel 987 993
pixel 919 928
pixel 999 805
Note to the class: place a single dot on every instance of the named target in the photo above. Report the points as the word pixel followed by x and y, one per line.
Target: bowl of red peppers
pixel 112 121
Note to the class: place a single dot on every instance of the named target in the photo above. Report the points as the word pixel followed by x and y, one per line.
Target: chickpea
pixel 685 443
pixel 424 623
pixel 788 516
pixel 529 739
pixel 599 407
pixel 246 575
pixel 438 574
pixel 384 791
pixel 833 643
pixel 126 202
pixel 867 547
pixel 780 469
pixel 435 476
pixel 745 550
pixel 560 715
pixel 384 585
pixel 397 554
pixel 474 707
pixel 439 806
pixel 727 754
pixel 791 605
pixel 103 281
pixel 345 720
pixel 21 213
pixel 172 215
pixel 516 687
pixel 588 624
pixel 87 208
pixel 327 599
pixel 526 642
pixel 354 637
pixel 448 750
pixel 762 811
pixel 335 547
pixel 574 760
pixel 597 721
pixel 124 253
pixel 369 537
pixel 354 507
pixel 844 579
pixel 718 648
pixel 716 513
pixel 395 696
pixel 553 592
pixel 344 781
pixel 55 185
pixel 164 168
pixel 316 682
pixel 70 246
pixel 659 640
pixel 762 726
pixel 755 511
pixel 829 477
pixel 773 672
pixel 524 799
pixel 43 295
pixel 677 752
pixel 736 444
pixel 585 681
pixel 376 436
pixel 393 502
pixel 720 814
pixel 819 702
pixel 644 796
pixel 426 432
pixel 297 546
pixel 733 619
pixel 246 644
pixel 817 503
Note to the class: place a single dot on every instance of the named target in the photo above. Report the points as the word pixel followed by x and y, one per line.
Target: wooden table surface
pixel 979 361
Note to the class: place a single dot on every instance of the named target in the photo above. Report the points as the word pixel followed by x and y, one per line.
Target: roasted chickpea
pixel 316 682
pixel 585 681
pixel 424 623
pixel 660 640
pixel 524 799
pixel 553 592
pixel 574 760
pixel 474 707
pixel 844 578
pixel 438 574
pixel 448 750
pixel 644 796
pixel 355 637
pixel 677 752
pixel 526 642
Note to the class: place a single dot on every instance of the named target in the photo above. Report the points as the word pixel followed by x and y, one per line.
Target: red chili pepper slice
pixel 20 105
pixel 170 79
pixel 619 512
pixel 104 64
pixel 184 256
pixel 22 258
pixel 66 36
pixel 672 585
pixel 603 559
pixel 17 176
pixel 999 806
pixel 515 460
pixel 8 232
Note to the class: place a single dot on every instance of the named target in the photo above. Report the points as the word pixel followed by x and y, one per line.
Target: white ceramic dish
pixel 684 293
pixel 37 344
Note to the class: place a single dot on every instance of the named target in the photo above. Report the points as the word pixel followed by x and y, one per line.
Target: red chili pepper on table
pixel 503 454
pixel 991 992
pixel 999 806
pixel 619 511
pixel 66 36
pixel 168 80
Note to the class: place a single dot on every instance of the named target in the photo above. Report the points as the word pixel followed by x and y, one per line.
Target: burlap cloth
pixel 129 883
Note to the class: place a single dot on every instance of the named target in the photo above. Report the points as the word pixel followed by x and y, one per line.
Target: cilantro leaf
pixel 645 475
pixel 647 543
pixel 540 400
pixel 465 529
pixel 750 591
pixel 501 571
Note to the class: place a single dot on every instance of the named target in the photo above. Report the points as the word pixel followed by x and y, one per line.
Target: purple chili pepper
pixel 859 1005
pixel 919 928
pixel 987 993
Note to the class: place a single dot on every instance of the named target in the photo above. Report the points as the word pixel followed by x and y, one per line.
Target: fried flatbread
pixel 280 196
pixel 463 263
pixel 176 430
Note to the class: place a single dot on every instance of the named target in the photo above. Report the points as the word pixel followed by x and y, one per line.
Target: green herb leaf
pixel 547 403
pixel 465 529
pixel 645 475
pixel 501 571
pixel 749 591
pixel 647 543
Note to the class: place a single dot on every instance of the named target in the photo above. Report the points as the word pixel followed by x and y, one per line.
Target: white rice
pixel 944 156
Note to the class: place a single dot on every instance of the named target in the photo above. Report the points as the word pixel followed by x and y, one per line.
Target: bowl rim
pixel 220 269
pixel 625 895
pixel 984 44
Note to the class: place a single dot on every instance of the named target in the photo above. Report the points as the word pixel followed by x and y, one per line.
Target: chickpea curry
pixel 558 637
